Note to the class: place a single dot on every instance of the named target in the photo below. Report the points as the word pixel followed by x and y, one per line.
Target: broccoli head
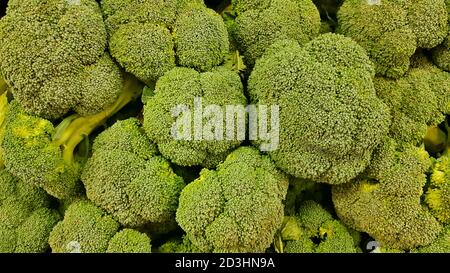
pixel 274 20
pixel 441 54
pixel 387 201
pixel 391 31
pixel 126 178
pixel 236 208
pixel 330 117
pixel 89 229
pixel 440 245
pixel 53 57
pixel 25 217
pixel 178 245
pixel 314 230
pixel 437 195
pixel 149 38
pixel 38 152
pixel 191 92
pixel 418 101
pixel 129 241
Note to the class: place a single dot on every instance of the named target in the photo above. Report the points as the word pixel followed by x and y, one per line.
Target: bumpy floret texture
pixel 149 38
pixel 298 20
pixel 25 217
pixel 172 121
pixel 126 178
pixel 236 208
pixel 178 245
pixel 386 202
pixel 129 241
pixel 437 195
pixel 313 222
pixel 53 57
pixel 330 117
pixel 418 100
pixel 391 31
pixel 31 154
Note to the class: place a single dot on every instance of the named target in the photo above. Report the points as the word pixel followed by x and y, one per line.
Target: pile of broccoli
pixel 227 126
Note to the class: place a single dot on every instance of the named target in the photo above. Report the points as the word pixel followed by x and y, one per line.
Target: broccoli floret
pixel 25 219
pixel 182 86
pixel 178 245
pixel 314 230
pixel 37 152
pixel 3 113
pixel 387 201
pixel 440 245
pixel 437 195
pixel 129 241
pixel 127 179
pixel 85 228
pixel 53 57
pixel 391 31
pixel 418 101
pixel 237 208
pixel 259 23
pixel 330 117
pixel 149 38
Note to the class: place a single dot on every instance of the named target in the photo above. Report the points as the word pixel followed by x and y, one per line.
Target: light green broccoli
pixel 387 201
pixel 89 229
pixel 440 245
pixel 129 241
pixel 441 54
pixel 126 178
pixel 314 230
pixel 259 23
pixel 437 195
pixel 236 208
pixel 25 217
pixel 418 101
pixel 177 136
pixel 53 57
pixel 47 156
pixel 178 245
pixel 392 30
pixel 330 117
pixel 149 38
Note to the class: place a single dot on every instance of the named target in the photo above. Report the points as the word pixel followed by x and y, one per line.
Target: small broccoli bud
pixel 129 241
pixel 437 195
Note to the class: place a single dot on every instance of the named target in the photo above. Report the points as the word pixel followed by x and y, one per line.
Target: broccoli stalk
pixel 75 128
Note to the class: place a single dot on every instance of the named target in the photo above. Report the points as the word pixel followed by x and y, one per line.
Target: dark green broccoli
pixel 149 38
pixel 53 57
pixel 181 87
pixel 330 117
pixel 314 230
pixel 259 23
pixel 387 201
pixel 25 217
pixel 126 178
pixel 37 152
pixel 88 229
pixel 237 208
pixel 392 30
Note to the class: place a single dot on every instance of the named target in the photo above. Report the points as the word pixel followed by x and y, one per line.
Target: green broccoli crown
pixel 314 230
pixel 129 241
pixel 391 31
pixel 149 38
pixel 441 54
pixel 437 195
pixel 31 154
pixel 298 20
pixel 238 207
pixel 386 202
pixel 85 228
pixel 418 100
pixel 127 179
pixel 53 57
pixel 330 117
pixel 440 245
pixel 178 245
pixel 26 220
pixel 181 86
